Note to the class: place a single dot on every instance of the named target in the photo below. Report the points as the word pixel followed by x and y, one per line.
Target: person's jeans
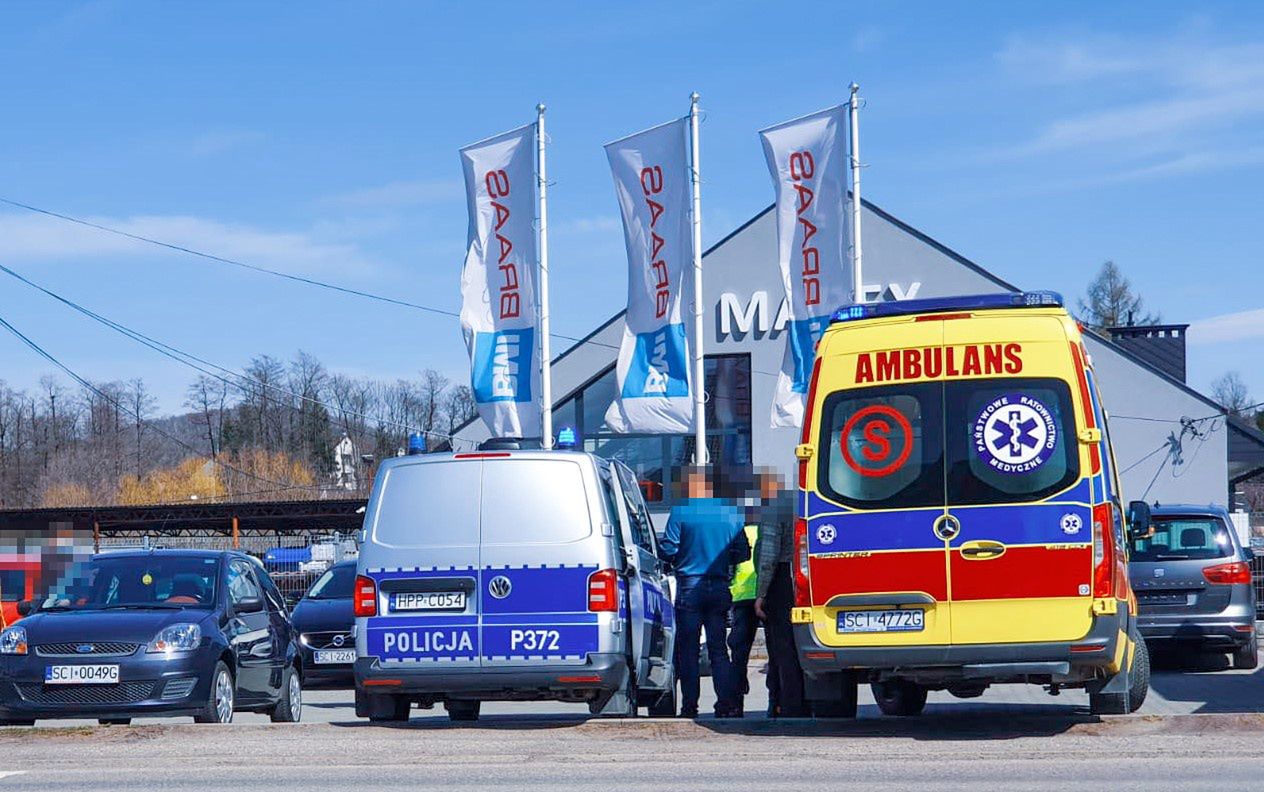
pixel 782 652
pixel 741 636
pixel 702 603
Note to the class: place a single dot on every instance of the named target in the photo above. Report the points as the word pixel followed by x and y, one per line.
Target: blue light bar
pixel 972 302
pixel 566 438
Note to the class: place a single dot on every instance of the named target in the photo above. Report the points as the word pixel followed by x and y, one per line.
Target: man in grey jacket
pixel 775 596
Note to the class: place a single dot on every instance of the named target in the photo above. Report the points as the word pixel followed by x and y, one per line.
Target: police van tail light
pixel 365 601
pixel 1104 551
pixel 1228 574
pixel 603 591
pixel 802 598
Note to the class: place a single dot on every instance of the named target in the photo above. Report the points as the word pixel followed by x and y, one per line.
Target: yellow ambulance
pixel 960 519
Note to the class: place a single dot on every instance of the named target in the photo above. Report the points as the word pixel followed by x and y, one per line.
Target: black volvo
pixel 154 633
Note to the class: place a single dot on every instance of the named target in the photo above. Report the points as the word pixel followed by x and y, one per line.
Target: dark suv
pixel 146 633
pixel 1192 578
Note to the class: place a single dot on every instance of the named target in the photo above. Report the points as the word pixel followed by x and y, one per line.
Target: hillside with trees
pixel 269 433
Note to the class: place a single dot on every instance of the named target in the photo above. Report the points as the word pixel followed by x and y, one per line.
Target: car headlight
pixel 13 641
pixel 176 638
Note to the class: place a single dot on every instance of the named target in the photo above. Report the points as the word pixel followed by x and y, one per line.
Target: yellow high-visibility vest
pixel 744 585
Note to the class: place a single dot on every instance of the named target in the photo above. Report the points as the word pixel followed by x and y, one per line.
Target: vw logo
pixel 85 648
pixel 339 640
pixel 499 587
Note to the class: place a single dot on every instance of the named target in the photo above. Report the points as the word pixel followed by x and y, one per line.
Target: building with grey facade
pixel 1171 443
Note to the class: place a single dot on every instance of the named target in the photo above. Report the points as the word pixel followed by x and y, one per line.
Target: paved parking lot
pixel 1198 730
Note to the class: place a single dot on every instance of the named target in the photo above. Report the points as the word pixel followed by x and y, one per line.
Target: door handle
pixel 982 550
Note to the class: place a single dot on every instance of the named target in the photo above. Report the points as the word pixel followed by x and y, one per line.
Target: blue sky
pixel 321 139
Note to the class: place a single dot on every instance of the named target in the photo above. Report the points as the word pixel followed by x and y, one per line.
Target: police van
pixel 510 575
pixel 961 522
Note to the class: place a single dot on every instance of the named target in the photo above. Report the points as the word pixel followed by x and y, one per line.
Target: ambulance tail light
pixel 802 598
pixel 603 591
pixel 1104 551
pixel 1228 574
pixel 364 602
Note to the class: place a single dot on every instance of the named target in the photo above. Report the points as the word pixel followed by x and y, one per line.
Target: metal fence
pixel 293 561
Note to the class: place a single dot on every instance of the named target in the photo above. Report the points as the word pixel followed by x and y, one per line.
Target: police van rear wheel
pixel 899 697
pixel 460 710
pixel 388 709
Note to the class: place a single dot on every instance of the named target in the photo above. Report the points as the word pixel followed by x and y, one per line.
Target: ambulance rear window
pixel 883 447
pixel 1009 440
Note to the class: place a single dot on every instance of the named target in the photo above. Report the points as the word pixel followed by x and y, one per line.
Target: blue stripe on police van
pixel 542 590
pixel 539 619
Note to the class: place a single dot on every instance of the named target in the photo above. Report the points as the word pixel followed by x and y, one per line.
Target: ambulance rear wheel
pixel 461 710
pixel 899 697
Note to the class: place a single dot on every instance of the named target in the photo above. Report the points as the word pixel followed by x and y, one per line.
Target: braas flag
pixel 651 179
pixel 808 163
pixel 498 310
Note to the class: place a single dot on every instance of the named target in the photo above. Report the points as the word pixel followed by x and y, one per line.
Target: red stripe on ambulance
pixel 866 573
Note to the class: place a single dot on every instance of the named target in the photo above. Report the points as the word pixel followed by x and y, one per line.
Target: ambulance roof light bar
pixel 973 302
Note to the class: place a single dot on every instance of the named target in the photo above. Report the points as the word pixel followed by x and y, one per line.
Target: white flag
pixel 651 179
pixel 498 310
pixel 808 163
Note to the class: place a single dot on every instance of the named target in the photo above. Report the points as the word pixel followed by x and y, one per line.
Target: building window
pixel 657 459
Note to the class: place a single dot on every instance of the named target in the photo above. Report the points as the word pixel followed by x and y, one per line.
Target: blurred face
pixel 696 486
pixel 769 485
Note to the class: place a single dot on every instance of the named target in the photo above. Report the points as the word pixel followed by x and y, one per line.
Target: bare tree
pixel 207 397
pixel 1231 392
pixel 141 404
pixel 1111 302
pixel 460 407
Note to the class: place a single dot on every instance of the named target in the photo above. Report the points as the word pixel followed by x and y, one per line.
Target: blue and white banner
pixel 808 162
pixel 498 310
pixel 651 179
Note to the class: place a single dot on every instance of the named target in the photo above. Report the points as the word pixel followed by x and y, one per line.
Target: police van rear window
pixel 957 443
pixel 534 501
pixel 429 505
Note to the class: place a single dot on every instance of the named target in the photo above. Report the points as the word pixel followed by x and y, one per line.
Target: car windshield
pixel 142 582
pixel 1180 538
pixel 336 583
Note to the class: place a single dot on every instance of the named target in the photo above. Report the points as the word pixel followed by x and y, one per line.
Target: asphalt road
pixel 1200 729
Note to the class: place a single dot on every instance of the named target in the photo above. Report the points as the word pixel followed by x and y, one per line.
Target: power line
pixel 184 358
pixel 139 419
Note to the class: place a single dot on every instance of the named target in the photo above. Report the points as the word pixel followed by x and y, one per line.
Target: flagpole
pixel 858 281
pixel 546 363
pixel 699 370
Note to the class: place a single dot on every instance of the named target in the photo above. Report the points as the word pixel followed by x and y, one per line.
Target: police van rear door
pixel 422 551
pixel 876 520
pixel 540 554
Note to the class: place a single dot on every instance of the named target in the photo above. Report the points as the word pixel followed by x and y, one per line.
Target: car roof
pixel 497 454
pixel 173 553
pixel 1190 509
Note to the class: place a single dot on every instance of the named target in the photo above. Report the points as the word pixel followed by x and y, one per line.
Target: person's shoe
pixel 728 712
pixel 689 714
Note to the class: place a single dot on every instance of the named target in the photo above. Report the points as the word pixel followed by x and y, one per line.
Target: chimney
pixel 1162 346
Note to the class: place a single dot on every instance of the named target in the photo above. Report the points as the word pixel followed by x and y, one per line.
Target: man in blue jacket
pixel 703 541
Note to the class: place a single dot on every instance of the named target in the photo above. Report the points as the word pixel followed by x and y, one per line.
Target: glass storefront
pixel 658 459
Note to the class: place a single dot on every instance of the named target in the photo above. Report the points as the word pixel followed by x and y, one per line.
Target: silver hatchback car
pixel 510 575
pixel 1192 578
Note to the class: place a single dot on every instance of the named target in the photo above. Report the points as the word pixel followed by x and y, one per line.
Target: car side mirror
pixel 25 607
pixel 248 605
pixel 1138 519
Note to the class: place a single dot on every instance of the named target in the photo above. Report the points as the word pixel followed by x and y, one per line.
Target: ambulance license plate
pixel 334 657
pixel 81 675
pixel 428 600
pixel 882 621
